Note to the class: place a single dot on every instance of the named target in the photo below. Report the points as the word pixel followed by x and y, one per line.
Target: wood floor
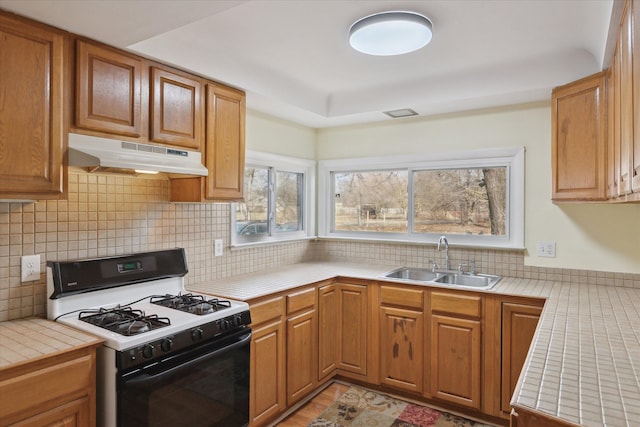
pixel 307 413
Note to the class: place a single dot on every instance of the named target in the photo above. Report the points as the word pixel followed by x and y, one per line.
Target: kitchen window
pixel 474 198
pixel 278 200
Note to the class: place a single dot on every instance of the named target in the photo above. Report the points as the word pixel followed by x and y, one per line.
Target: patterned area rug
pixel 359 407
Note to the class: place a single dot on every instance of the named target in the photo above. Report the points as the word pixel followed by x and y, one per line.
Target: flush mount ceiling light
pixel 404 112
pixel 390 33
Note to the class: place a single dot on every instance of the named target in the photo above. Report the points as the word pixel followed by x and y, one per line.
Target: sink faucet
pixel 442 240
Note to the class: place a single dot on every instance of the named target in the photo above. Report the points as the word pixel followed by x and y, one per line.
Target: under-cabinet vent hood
pixel 111 154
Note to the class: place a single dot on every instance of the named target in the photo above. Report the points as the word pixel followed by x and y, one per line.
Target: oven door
pixel 206 386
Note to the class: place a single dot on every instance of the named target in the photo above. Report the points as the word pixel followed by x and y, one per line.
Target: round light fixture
pixel 390 33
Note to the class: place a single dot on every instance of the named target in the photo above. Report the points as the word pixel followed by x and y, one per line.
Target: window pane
pixel 374 201
pixel 252 214
pixel 460 201
pixel 289 201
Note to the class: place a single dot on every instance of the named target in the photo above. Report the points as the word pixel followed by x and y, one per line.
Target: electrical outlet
pixel 30 268
pixel 546 248
pixel 217 249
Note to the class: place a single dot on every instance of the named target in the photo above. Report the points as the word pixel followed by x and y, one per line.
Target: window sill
pixel 248 245
pixel 419 243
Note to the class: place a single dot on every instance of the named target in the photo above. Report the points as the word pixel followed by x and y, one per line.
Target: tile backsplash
pixel 108 215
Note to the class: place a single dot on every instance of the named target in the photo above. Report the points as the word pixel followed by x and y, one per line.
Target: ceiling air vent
pixel 404 112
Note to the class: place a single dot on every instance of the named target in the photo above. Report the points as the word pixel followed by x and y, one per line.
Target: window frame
pixel 511 158
pixel 281 163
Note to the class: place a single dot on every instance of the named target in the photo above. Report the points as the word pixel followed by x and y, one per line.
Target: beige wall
pixel 272 135
pixel 591 237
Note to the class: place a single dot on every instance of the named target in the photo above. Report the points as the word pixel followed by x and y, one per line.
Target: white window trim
pixel 286 164
pixel 512 158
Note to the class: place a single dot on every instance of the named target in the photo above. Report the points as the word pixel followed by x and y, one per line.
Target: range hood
pixel 108 154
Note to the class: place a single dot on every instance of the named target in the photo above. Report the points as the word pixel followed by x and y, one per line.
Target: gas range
pixel 166 351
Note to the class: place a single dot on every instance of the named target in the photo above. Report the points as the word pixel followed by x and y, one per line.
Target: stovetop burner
pixel 190 303
pixel 124 320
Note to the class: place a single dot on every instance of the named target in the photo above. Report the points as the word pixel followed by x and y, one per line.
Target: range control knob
pixel 166 344
pixel 197 334
pixel 148 351
pixel 237 320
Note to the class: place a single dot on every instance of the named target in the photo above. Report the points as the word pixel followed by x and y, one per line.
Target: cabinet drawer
pixel 466 305
pixel 266 310
pixel 401 296
pixel 300 300
pixel 45 388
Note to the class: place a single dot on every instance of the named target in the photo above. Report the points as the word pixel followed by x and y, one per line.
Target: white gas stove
pixel 153 328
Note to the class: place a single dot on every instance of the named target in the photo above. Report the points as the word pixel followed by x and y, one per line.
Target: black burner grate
pixel 124 320
pixel 190 303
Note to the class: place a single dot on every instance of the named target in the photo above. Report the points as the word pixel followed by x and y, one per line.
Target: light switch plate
pixel 217 251
pixel 30 268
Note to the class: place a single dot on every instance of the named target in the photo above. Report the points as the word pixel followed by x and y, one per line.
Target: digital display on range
pixel 126 267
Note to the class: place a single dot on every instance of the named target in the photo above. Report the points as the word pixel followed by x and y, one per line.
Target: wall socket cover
pixel 30 268
pixel 217 249
pixel 546 249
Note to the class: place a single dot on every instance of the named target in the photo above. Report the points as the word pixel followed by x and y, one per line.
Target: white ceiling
pixel 293 58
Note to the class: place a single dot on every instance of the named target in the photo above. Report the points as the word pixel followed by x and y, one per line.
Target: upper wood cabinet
pixel 223 152
pixel 176 112
pixel 108 90
pixel 596 124
pixel 578 153
pixel 33 58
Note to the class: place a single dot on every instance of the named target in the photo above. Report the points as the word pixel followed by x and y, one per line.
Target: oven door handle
pixel 148 378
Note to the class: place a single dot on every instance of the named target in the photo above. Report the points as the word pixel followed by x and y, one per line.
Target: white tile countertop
pixel 584 362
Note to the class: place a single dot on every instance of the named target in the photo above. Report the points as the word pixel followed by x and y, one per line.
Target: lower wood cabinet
pixel 401 338
pixel 519 322
pixel 55 391
pixel 268 387
pixel 302 346
pixel 456 345
pixel 327 331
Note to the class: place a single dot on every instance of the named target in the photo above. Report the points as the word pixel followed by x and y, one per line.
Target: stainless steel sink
pixel 424 275
pixel 478 281
pixel 410 273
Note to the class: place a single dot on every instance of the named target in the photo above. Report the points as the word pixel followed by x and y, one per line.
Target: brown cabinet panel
pixel 455 360
pixel 328 331
pixel 267 397
pixel 635 48
pixel 108 90
pixel 519 322
pixel 353 328
pixel 626 102
pixel 578 140
pixel 225 150
pixel 301 356
pixel 32 120
pixel 176 109
pixel 401 348
pixel 72 414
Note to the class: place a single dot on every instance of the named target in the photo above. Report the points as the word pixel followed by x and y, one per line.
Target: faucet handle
pixel 461 267
pixel 434 266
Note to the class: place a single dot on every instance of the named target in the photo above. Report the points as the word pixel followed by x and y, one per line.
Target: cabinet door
pixel 176 109
pixel 328 331
pixel 578 157
pixel 72 414
pixel 267 373
pixel 455 360
pixel 32 145
pixel 635 48
pixel 626 102
pixel 301 356
pixel 401 346
pixel 224 150
pixel 353 328
pixel 108 90
pixel 519 324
